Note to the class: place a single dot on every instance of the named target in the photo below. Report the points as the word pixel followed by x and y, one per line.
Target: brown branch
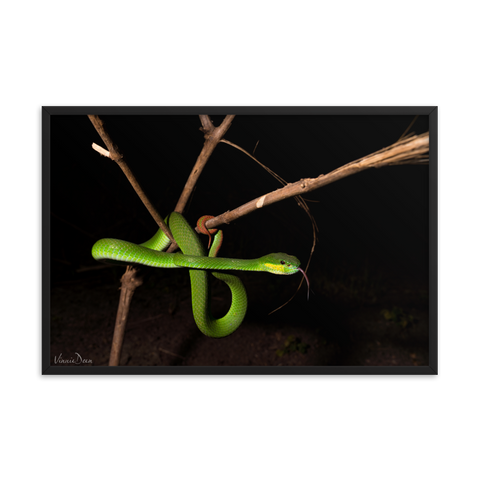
pixel 100 128
pixel 131 278
pixel 207 124
pixel 213 135
pixel 409 150
pixel 117 157
pixel 130 281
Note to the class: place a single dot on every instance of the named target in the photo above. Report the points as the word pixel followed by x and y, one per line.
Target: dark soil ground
pixel 361 319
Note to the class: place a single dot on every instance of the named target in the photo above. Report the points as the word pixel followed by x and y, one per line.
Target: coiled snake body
pixel 194 257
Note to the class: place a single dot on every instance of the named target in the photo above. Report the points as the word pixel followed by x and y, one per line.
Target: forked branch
pixel 213 135
pixel 131 278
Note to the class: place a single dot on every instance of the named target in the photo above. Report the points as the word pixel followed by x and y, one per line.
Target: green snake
pixel 194 257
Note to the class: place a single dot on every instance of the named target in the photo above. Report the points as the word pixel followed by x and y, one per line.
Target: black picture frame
pixel 48 111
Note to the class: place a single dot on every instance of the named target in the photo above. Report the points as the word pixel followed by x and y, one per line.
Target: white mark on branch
pixel 101 150
pixel 260 201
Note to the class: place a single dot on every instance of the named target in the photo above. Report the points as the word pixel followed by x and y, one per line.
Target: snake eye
pixel 282 262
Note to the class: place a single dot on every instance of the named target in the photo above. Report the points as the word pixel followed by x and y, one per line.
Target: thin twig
pixel 408 128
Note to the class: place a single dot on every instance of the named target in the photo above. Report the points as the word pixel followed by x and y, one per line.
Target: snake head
pixel 280 264
pixel 283 264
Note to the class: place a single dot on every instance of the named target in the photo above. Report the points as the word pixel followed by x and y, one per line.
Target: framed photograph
pixel 327 219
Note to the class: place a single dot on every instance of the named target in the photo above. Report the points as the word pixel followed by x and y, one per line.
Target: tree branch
pixel 213 135
pixel 131 278
pixel 408 150
pixel 117 157
pixel 130 281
